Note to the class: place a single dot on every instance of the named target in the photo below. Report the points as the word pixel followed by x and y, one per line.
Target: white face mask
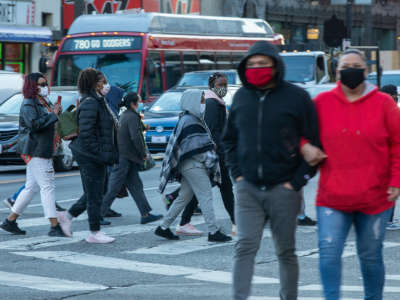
pixel 44 91
pixel 106 88
pixel 202 108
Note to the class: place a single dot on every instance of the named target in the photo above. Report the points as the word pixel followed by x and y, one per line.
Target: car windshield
pixel 12 105
pixel 121 69
pixel 299 68
pixel 201 79
pixel 168 102
pixel 386 79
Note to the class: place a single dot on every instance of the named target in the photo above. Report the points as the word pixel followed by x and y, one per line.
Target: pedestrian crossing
pixel 136 261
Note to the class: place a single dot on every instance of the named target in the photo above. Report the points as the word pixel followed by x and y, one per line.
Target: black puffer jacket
pixel 215 118
pixel 97 140
pixel 265 126
pixel 36 129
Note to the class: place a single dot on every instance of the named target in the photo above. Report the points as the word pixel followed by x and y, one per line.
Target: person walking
pixel 268 117
pixel 94 149
pixel 360 178
pixel 132 154
pixel 191 157
pixel 36 143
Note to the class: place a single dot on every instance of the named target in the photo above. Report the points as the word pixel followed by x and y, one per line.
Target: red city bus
pixel 148 52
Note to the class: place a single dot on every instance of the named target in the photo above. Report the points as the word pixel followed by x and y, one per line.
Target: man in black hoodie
pixel 262 140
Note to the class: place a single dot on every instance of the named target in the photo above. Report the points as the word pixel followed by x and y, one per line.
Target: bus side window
pixel 207 60
pixel 154 79
pixel 190 61
pixel 172 67
pixel 224 61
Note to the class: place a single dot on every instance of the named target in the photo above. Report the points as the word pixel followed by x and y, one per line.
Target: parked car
pixel 388 77
pixel 316 89
pixel 9 115
pixel 163 116
pixel 10 83
pixel 200 78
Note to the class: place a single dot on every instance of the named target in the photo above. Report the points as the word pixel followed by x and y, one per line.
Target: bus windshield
pixel 299 68
pixel 121 69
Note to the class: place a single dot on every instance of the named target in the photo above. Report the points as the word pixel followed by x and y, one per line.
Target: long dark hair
pixel 87 80
pixel 30 88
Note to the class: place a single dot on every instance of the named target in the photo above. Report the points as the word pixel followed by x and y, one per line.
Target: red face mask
pixel 259 77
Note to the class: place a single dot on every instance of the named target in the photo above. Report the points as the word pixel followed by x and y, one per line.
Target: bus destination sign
pixel 102 43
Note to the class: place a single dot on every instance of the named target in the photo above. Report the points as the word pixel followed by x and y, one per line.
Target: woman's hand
pixel 312 155
pixel 57 108
pixel 393 193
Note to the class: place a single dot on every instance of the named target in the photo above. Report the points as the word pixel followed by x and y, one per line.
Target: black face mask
pixel 352 77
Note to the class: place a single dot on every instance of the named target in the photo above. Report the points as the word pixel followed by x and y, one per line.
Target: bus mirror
pixel 150 68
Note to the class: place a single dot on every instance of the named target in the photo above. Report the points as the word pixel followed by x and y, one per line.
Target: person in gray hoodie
pixel 191 159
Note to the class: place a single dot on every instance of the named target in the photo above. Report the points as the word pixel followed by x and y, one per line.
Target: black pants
pixel 126 172
pixel 93 180
pixel 226 189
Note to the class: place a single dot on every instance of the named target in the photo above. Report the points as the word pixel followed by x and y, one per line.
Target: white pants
pixel 39 176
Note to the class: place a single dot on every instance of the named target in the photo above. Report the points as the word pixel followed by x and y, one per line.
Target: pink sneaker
pixel 233 229
pixel 188 229
pixel 99 238
pixel 65 223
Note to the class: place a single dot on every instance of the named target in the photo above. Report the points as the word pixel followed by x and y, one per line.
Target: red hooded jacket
pixel 362 141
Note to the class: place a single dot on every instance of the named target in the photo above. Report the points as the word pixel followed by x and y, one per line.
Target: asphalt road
pixel 140 265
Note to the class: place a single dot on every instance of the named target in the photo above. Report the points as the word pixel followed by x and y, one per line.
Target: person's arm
pixel 230 142
pixel 136 136
pixel 33 120
pixel 309 132
pixel 211 119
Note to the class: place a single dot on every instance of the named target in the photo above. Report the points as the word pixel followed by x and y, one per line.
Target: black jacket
pixel 215 118
pixel 264 129
pixel 96 140
pixel 130 137
pixel 36 129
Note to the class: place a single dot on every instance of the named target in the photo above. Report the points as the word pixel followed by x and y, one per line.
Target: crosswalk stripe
pixel 46 283
pixel 347 288
pixel 298 298
pixel 137 266
pixel 33 222
pixel 393 277
pixel 349 250
pixel 181 247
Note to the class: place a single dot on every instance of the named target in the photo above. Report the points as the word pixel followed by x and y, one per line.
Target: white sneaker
pixel 188 229
pixel 65 223
pixel 99 238
pixel 233 229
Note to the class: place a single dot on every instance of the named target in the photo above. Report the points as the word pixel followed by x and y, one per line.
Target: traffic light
pixel 334 31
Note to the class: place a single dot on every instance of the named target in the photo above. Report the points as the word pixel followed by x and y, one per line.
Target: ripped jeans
pixel 333 228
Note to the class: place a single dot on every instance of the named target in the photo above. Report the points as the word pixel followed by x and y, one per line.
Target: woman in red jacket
pixel 360 178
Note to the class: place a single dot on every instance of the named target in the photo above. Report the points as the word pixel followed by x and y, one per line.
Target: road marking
pixel 347 288
pixel 46 283
pixel 299 298
pixel 24 179
pixel 349 250
pixel 392 277
pixel 24 223
pixel 181 247
pixel 142 267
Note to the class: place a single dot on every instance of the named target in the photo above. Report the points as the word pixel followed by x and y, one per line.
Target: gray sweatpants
pixel 253 208
pixel 195 180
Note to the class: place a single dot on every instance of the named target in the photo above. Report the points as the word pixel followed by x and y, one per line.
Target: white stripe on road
pixel 181 247
pixel 299 298
pixel 349 250
pixel 347 288
pixel 47 241
pixel 43 221
pixel 46 283
pixel 137 266
pixel 392 277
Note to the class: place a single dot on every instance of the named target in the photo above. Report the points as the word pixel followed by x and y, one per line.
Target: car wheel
pixel 63 162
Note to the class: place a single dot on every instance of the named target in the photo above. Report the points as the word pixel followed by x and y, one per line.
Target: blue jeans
pixel 333 228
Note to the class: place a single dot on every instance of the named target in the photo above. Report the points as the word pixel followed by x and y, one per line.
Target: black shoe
pixel 8 202
pixel 150 218
pixel 197 211
pixel 306 222
pixel 166 233
pixel 56 231
pixel 12 227
pixel 218 237
pixel 104 222
pixel 112 214
pixel 59 208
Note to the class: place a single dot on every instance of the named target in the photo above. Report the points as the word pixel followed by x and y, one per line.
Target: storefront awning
pixel 27 34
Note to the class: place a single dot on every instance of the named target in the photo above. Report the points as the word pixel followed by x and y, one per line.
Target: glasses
pixel 43 84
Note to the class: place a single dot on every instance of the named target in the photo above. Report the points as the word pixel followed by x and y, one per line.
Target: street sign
pixel 357 2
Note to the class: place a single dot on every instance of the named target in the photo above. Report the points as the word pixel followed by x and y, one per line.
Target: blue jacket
pixel 114 98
